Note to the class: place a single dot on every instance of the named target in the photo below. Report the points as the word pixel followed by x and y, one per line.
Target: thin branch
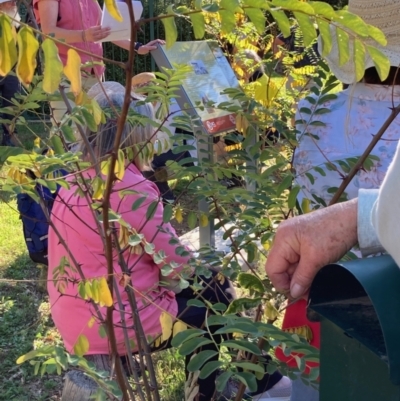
pixel 364 156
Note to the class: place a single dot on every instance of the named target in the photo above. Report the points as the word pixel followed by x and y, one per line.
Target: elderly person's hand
pixel 152 45
pixel 306 243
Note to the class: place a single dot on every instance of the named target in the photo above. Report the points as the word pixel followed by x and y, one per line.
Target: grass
pixel 24 314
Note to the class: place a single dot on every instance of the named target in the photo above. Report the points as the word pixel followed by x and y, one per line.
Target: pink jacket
pixel 76 224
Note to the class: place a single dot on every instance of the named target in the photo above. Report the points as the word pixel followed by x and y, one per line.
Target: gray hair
pixel 110 97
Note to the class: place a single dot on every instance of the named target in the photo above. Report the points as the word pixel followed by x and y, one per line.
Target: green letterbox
pixel 358 305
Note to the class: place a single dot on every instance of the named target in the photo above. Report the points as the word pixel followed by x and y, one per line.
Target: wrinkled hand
pixel 304 244
pixel 96 33
pixel 152 45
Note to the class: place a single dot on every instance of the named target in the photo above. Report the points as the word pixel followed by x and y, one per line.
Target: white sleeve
pixel 386 211
pixel 367 239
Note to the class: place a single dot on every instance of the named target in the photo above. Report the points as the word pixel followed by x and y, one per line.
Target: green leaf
pixel 251 282
pixel 198 25
pixel 57 145
pixel 102 331
pixel 228 21
pixel 242 345
pixel 196 303
pixel 343 46
pixel 198 360
pixel 242 304
pixel 189 346
pixel 135 239
pixel 222 380
pixel 301 363
pixel 353 22
pixel 68 133
pixel 307 28
pixel 171 32
pixel 257 18
pixel 211 8
pixel 322 9
pixel 186 335
pixel 381 62
pixel 294 5
pixel 231 5
pixel 138 202
pixel 283 22
pixel 359 59
pixel 248 379
pixel 314 373
pixel 326 36
pixel 167 214
pixel 192 220
pixel 89 119
pixel 249 366
pixel 376 34
pixel 46 350
pixel 209 367
pixel 151 210
pixel 293 196
pixel 286 182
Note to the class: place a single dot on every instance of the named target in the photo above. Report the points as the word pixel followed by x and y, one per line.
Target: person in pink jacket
pixel 75 222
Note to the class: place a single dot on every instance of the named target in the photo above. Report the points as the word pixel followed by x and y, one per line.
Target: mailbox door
pixel 350 371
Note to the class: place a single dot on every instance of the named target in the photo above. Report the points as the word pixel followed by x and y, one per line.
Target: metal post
pixel 205 155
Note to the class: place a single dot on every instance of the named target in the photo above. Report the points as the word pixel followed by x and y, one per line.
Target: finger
pixel 279 270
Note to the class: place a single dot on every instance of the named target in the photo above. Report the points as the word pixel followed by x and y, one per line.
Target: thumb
pixel 302 278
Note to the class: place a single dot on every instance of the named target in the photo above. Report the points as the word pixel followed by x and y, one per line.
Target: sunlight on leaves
pixel 53 67
pixel 28 47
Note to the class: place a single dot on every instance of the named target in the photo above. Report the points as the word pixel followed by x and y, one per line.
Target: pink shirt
pixel 78 15
pixel 71 314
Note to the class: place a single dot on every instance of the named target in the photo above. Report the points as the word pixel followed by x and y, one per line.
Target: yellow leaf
pixel 104 293
pixel 28 47
pixel 81 98
pixel 97 112
pixel 81 346
pixel 270 311
pixel 266 245
pixel 8 48
pixel 119 168
pixel 178 327
pixel 112 8
pixel 98 188
pixel 36 142
pixel 73 71
pixel 221 278
pixel 178 215
pixel 105 166
pixel 203 220
pixel 53 67
pixel 166 325
pixel 305 205
pixel 91 322
pixel 157 341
